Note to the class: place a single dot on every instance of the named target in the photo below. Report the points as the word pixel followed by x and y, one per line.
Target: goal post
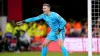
pixel 89 28
pixel 93 27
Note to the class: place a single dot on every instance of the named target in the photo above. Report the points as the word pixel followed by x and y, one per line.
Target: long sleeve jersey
pixel 53 20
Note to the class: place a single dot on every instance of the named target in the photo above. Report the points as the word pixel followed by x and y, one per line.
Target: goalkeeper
pixel 56 23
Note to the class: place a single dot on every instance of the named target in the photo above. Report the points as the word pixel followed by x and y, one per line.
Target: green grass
pixel 39 54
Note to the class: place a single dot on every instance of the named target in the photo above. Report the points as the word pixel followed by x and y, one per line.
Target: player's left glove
pixel 58 31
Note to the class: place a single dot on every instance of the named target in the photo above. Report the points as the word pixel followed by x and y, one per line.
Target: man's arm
pixel 31 19
pixel 34 18
pixel 61 21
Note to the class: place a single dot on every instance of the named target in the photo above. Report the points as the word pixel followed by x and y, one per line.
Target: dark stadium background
pixel 75 9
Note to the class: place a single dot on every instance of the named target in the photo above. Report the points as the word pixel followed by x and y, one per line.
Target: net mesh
pixel 96 26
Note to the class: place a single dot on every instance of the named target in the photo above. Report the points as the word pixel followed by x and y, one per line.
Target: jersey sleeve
pixel 34 18
pixel 61 21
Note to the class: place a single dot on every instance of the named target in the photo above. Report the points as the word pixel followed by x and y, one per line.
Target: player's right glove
pixel 20 22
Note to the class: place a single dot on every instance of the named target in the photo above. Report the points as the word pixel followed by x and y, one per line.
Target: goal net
pixel 95 10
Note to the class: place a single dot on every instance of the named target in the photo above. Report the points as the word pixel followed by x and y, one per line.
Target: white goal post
pixel 89 28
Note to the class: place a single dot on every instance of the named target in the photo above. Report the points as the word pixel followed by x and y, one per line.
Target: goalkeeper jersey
pixel 54 20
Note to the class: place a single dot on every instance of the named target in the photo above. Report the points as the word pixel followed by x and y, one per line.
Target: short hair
pixel 45 4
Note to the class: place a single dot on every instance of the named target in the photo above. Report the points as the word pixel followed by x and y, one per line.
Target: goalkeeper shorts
pixel 53 36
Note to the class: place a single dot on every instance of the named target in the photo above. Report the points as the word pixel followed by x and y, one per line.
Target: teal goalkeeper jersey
pixel 54 20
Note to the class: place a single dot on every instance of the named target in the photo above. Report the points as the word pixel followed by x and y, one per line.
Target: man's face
pixel 46 9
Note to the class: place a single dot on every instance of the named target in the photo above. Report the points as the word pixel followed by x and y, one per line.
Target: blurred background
pixel 30 36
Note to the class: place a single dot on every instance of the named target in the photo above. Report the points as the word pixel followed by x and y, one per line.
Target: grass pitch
pixel 39 54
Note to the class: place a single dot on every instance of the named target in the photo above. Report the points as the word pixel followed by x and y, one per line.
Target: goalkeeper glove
pixel 58 31
pixel 20 22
